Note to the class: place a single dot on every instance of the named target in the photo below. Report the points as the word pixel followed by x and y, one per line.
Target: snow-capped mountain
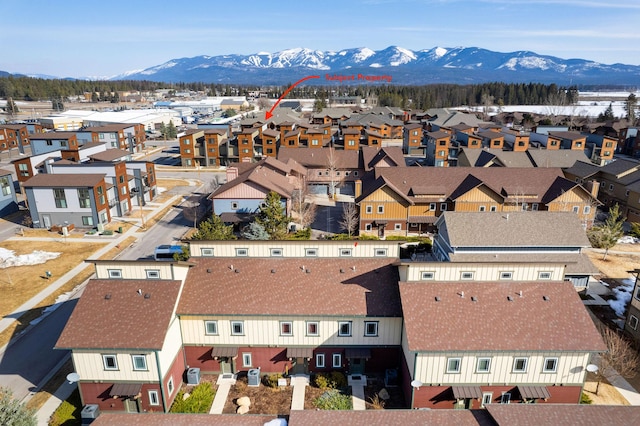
pixel 405 66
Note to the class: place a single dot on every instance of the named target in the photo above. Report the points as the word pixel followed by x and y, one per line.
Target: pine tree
pixel 13 412
pixel 607 234
pixel 630 106
pixel 273 217
pixel 214 229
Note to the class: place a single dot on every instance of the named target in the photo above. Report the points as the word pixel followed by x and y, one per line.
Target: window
pixel 345 252
pixel 234 205
pixel 187 142
pixel 211 328
pixel 524 206
pixel 576 209
pixel 352 142
pixel 6 188
pixel 337 360
pixel 586 210
pixel 59 196
pixel 380 209
pixel 544 275
pixel 432 206
pixel 206 252
pixel 369 209
pixel 506 275
pixel 355 173
pixel 493 209
pixel 123 190
pixel 520 365
pixel 101 194
pixel 466 275
pixel 314 142
pixel 380 252
pixel 633 322
pixel 110 362
pixel 319 360
pixel 534 207
pixel 87 220
pixel 153 274
pixel 487 397
pixel 139 362
pixel 443 207
pixel 311 252
pixel 483 365
pixel 114 273
pixel 482 208
pixel 237 328
pixel 242 252
pixel 428 275
pixel 550 365
pixel 397 227
pixel 344 328
pixel 276 252
pixel 371 328
pixel 313 328
pixel 153 397
pixel 24 171
pixel 611 187
pixel 453 365
pixel 170 385
pixel 505 398
pixel 246 360
pixel 367 227
pixel 286 328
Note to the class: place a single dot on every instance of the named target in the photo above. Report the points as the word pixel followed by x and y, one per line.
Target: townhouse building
pixel 202 147
pixel 8 197
pixel 126 136
pixel 43 143
pixel 63 199
pixel 403 201
pixel 14 136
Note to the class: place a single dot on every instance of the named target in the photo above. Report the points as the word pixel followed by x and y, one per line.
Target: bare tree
pixel 349 220
pixel 620 359
pixel 332 167
pixel 302 211
pixel 263 103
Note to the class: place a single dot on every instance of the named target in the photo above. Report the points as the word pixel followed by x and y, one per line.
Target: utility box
pixel 253 377
pixel 89 413
pixel 193 376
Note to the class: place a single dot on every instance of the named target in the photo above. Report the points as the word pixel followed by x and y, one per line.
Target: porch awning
pixel 125 389
pixel 364 353
pixel 422 219
pixel 224 352
pixel 534 392
pixel 464 392
pixel 299 352
pixel 380 222
pixel 228 217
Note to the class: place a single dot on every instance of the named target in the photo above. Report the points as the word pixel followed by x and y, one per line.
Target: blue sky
pixel 87 38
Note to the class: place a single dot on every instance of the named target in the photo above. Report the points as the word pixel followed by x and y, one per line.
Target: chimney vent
pixel 273 271
pixel 545 298
pixel 462 294
pixel 474 299
pixel 437 298
pixel 107 296
pixel 139 291
pixel 237 271
pixel 208 270
pixel 520 293
pixel 510 299
pixel 147 295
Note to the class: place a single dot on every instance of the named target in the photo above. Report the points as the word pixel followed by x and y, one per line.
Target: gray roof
pixel 514 229
pixel 562 158
pixel 620 166
pixel 583 169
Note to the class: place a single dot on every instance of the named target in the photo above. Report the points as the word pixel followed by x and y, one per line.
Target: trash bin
pixel 253 377
pixel 120 229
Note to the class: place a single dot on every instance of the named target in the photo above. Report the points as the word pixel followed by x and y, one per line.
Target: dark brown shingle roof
pixel 438 318
pixel 371 289
pixel 44 180
pixel 111 314
pixel 563 414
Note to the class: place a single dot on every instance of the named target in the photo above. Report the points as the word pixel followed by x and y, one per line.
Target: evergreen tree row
pixel 414 97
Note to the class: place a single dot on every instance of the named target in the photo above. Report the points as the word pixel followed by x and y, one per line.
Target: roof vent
pixel 107 296
pixel 237 271
pixel 510 299
pixel 308 271
pixel 437 298
pixel 520 293
pixel 462 294
pixel 341 271
pixel 231 267
pixel 474 299
pixel 353 267
pixel 302 267
pixel 208 270
pixel 139 291
pixel 545 298
pixel 147 295
pixel 273 271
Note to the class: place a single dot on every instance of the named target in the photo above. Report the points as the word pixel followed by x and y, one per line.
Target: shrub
pixel 340 237
pixel 333 380
pixel 199 401
pixel 303 234
pixel 366 237
pixel 68 412
pixel 271 380
pixel 585 399
pixel 107 232
pixel 377 403
pixel 333 400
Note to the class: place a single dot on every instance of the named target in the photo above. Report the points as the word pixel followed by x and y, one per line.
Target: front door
pixel 225 366
pixel 131 405
pixel 46 220
pixel 380 231
pixel 300 366
pixel 356 365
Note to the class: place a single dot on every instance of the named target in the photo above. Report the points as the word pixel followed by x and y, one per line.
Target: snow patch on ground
pixel 8 258
pixel 160 189
pixel 622 296
pixel 628 239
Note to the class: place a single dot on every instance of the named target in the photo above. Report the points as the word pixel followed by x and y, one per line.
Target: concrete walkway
pixel 220 399
pixel 299 383
pixel 357 383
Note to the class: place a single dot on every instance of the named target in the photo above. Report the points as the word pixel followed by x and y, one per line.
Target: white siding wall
pixel 408 355
pixel 431 368
pixel 445 271
pixel 296 249
pixel 46 201
pixel 263 331
pixel 172 345
pixel 138 270
pixel 109 171
pixel 89 366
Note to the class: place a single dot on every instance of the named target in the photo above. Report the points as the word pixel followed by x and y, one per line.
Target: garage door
pixel 319 189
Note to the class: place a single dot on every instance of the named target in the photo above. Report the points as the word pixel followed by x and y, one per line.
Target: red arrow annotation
pixel 269 113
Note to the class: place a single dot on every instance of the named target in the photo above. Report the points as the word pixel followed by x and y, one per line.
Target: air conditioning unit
pixel 193 376
pixel 89 413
